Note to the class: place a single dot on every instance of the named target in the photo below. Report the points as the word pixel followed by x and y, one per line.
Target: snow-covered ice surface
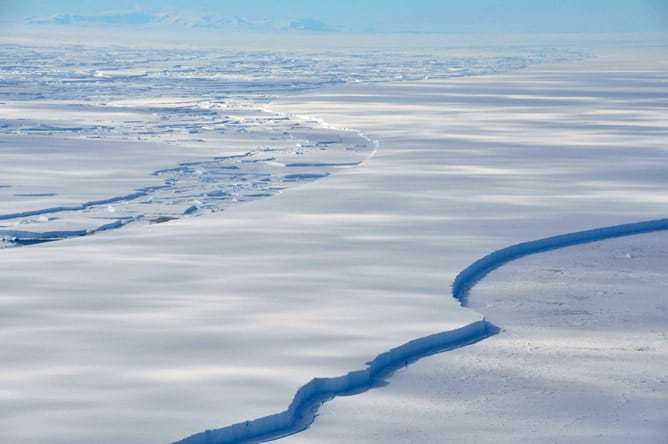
pixel 226 148
pixel 159 331
pixel 582 358
pixel 582 355
pixel 100 137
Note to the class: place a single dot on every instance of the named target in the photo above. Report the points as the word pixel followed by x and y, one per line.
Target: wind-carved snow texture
pixel 305 405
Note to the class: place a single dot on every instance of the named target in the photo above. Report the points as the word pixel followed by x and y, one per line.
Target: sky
pixel 390 15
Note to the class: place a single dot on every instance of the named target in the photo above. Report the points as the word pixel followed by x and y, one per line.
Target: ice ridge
pixel 305 405
pixel 31 238
pixel 78 207
pixel 468 277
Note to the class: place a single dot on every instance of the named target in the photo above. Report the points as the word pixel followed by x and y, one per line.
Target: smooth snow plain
pixel 154 332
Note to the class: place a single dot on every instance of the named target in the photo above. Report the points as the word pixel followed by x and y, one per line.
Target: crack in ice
pixel 197 187
pixel 304 407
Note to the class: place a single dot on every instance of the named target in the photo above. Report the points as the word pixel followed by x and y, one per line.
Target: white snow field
pixel 582 358
pixel 158 331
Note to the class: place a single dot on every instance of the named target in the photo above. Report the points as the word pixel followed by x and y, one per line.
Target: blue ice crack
pixel 304 407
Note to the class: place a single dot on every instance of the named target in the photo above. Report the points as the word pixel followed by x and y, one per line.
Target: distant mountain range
pixel 192 21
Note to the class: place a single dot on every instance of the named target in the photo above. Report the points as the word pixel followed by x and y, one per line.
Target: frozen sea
pixel 190 236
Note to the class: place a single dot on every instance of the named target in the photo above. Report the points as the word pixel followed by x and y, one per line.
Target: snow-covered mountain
pixel 186 20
